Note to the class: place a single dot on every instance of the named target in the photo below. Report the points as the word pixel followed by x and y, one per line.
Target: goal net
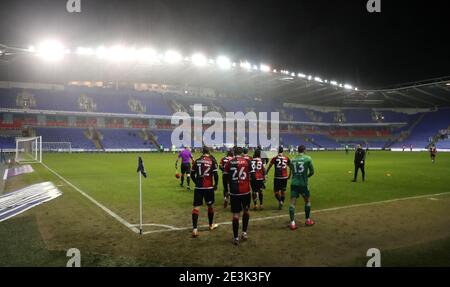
pixel 57 147
pixel 29 149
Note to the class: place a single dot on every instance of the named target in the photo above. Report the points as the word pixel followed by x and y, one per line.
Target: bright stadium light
pixel 264 68
pixel 223 62
pixel 310 77
pixel 147 55
pixel 245 65
pixel 348 87
pixel 334 83
pixel 172 57
pixel 199 60
pixel 300 75
pixel 51 50
pixel 101 52
pixel 85 51
pixel 317 79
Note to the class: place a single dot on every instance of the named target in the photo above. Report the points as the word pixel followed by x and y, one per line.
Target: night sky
pixel 339 39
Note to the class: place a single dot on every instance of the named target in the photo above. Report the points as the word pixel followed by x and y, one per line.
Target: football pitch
pixel 402 208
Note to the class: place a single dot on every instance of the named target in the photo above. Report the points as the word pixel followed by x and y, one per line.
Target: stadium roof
pixel 236 78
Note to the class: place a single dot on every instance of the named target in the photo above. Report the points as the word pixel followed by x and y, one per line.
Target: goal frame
pixel 68 149
pixel 36 153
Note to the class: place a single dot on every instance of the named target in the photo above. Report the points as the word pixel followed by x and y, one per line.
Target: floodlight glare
pixel 199 60
pixel 334 83
pixel 317 79
pixel 246 65
pixel 85 51
pixel 348 87
pixel 147 55
pixel 51 50
pixel 223 62
pixel 172 57
pixel 264 68
pixel 310 77
pixel 301 75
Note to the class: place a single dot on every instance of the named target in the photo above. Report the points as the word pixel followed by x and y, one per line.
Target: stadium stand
pixel 87 129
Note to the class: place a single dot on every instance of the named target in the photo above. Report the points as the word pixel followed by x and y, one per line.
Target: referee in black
pixel 360 160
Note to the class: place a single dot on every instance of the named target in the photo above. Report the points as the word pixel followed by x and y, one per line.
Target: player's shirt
pixel 433 151
pixel 223 162
pixel 281 163
pixel 301 168
pixel 204 168
pixel 239 169
pixel 258 168
pixel 185 156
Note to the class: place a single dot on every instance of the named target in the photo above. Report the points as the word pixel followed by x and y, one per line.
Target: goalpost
pixel 29 149
pixel 57 147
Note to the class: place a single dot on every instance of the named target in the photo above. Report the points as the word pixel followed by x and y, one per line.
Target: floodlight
pixel 199 60
pixel 245 65
pixel 310 77
pixel 264 68
pixel 51 50
pixel 334 83
pixel 223 62
pixel 101 52
pixel 317 79
pixel 301 75
pixel 348 87
pixel 147 55
pixel 172 57
pixel 85 51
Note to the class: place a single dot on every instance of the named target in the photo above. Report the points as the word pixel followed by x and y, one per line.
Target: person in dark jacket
pixel 360 160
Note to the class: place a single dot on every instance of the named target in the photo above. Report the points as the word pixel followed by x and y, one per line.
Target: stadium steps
pixel 147 135
pixel 400 138
pixel 95 136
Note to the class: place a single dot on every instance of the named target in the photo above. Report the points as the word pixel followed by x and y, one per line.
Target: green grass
pixel 112 180
pixel 42 235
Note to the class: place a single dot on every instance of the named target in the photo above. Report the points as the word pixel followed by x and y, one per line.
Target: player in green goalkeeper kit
pixel 301 168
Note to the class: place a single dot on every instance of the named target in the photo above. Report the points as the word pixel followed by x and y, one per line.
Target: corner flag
pixel 141 168
pixel 141 171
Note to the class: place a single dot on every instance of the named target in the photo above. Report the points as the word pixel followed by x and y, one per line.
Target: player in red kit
pixel 258 179
pixel 281 176
pixel 225 181
pixel 204 175
pixel 239 170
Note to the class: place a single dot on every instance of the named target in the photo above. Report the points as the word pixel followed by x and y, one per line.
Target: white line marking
pixel 432 198
pixel 108 211
pixel 173 228
pixel 5 175
pixel 301 213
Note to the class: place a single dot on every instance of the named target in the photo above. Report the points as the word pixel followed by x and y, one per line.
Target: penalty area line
pixel 104 208
pixel 172 228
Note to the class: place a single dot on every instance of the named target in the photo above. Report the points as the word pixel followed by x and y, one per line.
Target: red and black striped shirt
pixel 204 169
pixel 281 163
pixel 239 169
